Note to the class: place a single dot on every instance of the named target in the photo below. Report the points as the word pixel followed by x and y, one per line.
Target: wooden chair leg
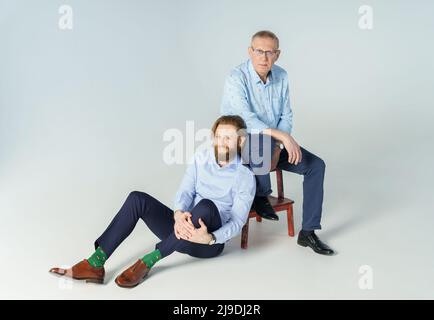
pixel 290 218
pixel 245 235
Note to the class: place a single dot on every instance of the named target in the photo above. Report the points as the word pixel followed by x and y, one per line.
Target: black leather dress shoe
pixel 264 209
pixel 312 240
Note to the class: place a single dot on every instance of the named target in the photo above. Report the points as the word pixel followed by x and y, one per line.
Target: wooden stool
pixel 279 204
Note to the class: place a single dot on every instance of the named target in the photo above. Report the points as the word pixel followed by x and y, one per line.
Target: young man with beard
pixel 211 207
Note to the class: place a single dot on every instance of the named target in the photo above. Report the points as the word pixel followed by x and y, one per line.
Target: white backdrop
pixel 83 113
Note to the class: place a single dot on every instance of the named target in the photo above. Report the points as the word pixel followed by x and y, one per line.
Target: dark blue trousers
pixel 311 167
pixel 159 219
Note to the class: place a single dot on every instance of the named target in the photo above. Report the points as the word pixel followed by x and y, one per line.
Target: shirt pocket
pixel 276 102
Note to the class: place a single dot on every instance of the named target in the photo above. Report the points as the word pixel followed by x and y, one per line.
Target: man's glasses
pixel 268 54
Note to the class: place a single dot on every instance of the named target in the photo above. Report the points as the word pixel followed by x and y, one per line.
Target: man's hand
pixel 199 235
pixel 291 146
pixel 293 149
pixel 183 227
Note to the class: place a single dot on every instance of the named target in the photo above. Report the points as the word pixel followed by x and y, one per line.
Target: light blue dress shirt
pixel 231 188
pixel 261 105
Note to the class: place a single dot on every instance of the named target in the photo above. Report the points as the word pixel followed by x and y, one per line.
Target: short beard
pixel 221 156
pixel 228 155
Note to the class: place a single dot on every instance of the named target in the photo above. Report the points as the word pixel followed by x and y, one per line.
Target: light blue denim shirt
pixel 260 105
pixel 231 188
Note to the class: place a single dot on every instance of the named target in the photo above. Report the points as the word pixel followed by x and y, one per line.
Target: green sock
pixel 98 258
pixel 151 258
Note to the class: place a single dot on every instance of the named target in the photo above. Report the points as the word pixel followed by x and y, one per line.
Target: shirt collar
pixel 255 75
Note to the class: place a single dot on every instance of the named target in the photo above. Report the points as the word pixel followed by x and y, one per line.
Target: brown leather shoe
pixel 133 276
pixel 82 271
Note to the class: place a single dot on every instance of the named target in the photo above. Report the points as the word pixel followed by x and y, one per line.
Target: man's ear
pixel 242 140
pixel 277 55
pixel 250 51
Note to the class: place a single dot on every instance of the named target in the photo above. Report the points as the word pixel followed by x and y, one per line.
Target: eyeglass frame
pixel 268 53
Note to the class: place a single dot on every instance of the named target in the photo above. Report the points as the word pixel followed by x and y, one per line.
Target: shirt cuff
pixel 220 236
pixel 180 206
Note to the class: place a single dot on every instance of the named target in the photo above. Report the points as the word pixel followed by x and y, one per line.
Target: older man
pixel 211 206
pixel 258 91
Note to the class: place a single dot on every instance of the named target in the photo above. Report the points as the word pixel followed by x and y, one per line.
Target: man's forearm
pixel 279 135
pixel 291 146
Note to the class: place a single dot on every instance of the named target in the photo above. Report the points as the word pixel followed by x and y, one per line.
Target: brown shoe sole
pixel 92 280
pixel 129 287
pixel 87 280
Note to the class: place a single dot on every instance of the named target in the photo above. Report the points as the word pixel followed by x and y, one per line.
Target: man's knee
pixel 206 204
pixel 319 164
pixel 203 209
pixel 137 195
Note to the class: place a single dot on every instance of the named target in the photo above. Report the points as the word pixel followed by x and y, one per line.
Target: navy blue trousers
pixel 159 219
pixel 311 167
